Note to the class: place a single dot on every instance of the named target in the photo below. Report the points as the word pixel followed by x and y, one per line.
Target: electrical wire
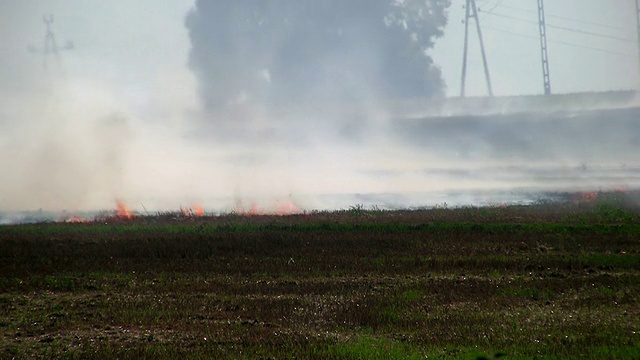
pixel 565 18
pixel 590 33
pixel 561 42
pixel 496 5
pixel 561 27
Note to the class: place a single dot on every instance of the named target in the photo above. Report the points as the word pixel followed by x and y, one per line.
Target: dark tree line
pixel 307 50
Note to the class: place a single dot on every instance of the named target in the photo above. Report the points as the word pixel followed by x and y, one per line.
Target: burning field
pixel 459 237
pixel 555 279
pixel 245 179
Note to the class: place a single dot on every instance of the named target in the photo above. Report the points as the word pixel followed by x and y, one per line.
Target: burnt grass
pixel 551 280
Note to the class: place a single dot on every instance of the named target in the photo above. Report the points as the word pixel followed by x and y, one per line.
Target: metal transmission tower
pixel 472 12
pixel 50 45
pixel 543 48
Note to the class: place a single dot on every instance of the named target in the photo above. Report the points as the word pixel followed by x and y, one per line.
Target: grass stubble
pixel 551 280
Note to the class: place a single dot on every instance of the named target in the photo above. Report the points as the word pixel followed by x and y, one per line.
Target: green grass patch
pixel 611 259
pixel 365 347
pixel 529 293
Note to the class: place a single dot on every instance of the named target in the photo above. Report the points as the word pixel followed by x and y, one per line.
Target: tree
pixel 314 50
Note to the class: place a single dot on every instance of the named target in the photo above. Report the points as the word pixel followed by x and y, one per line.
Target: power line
pixel 561 42
pixel 565 18
pixel 561 27
pixel 510 17
pixel 590 33
pixel 495 6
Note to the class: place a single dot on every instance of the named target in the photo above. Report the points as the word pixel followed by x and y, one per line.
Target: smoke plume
pixel 312 55
pixel 271 104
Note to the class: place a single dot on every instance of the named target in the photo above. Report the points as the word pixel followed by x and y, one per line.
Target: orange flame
pixel 122 211
pixel 198 210
pixel 194 210
pixel 75 219
pixel 253 210
pixel 281 209
pixel 287 208
pixel 588 196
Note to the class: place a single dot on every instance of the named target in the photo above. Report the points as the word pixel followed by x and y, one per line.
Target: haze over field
pixel 234 104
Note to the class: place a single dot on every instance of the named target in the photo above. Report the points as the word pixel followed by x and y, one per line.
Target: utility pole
pixel 543 48
pixel 50 45
pixel 471 11
pixel 638 39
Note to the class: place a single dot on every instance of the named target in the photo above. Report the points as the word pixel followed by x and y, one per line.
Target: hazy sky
pixel 513 50
pixel 111 118
pixel 134 50
pixel 136 46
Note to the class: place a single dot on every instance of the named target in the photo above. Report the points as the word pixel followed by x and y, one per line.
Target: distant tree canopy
pixel 307 50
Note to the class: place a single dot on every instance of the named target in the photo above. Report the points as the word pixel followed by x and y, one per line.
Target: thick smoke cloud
pixel 293 79
pixel 314 53
pixel 576 137
pixel 323 104
pixel 67 150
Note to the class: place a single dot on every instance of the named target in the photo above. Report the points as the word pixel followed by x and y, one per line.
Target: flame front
pixel 194 210
pixel 75 219
pixel 588 196
pixel 122 210
pixel 198 210
pixel 287 207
